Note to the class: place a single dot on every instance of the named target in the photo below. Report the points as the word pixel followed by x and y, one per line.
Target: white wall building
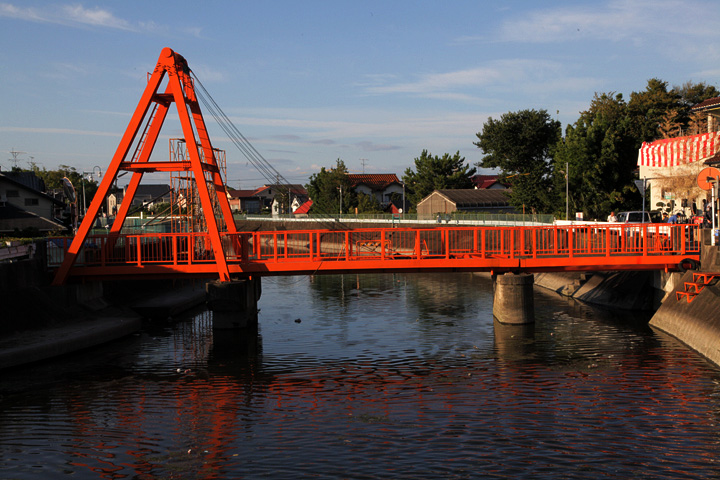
pixel 671 167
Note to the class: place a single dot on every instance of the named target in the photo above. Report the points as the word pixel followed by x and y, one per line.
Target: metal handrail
pixel 533 248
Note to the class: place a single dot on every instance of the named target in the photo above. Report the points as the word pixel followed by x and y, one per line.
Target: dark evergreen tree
pixel 328 186
pixel 436 173
pixel 520 144
pixel 601 152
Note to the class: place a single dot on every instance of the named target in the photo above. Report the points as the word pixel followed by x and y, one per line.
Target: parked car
pixel 633 217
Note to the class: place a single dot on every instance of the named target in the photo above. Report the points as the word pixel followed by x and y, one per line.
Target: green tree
pixel 368 204
pixel 659 112
pixel 53 180
pixel 520 145
pixel 326 187
pixel 601 152
pixel 436 173
pixel 690 94
pixel 651 108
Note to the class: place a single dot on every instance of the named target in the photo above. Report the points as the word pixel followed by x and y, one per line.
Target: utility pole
pixel 96 171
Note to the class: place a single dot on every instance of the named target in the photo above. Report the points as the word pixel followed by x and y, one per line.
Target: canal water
pixel 371 376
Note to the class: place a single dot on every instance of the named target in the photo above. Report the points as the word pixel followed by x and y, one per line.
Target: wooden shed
pixel 465 200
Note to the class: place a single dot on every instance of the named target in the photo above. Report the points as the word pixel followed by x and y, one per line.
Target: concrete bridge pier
pixel 513 302
pixel 234 304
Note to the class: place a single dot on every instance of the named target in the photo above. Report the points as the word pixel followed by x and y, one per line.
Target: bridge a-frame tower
pixel 200 162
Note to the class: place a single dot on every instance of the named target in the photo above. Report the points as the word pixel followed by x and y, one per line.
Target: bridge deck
pixel 294 252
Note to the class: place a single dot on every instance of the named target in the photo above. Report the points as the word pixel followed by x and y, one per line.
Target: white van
pixel 633 217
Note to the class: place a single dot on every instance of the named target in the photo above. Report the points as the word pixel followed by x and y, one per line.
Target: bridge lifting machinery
pixel 195 165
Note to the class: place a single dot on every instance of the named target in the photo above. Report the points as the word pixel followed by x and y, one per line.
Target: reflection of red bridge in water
pixel 219 250
pixel 293 252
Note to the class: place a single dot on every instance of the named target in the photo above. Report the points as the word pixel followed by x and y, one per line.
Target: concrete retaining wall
pixel 696 323
pixel 624 290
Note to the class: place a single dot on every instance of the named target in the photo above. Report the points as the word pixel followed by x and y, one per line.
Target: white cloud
pixel 435 82
pixel 11 11
pixel 94 16
pixel 523 76
pixel 69 15
pixel 339 126
pixel 63 131
pixel 621 20
pixel 76 15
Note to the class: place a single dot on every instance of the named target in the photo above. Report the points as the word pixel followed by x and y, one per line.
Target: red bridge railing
pixel 537 248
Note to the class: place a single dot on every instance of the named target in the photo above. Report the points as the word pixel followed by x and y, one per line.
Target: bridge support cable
pixel 255 158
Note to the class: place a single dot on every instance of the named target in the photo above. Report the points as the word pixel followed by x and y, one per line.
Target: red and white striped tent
pixel 671 152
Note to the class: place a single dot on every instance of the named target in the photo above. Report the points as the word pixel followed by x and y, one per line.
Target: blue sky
pixel 371 82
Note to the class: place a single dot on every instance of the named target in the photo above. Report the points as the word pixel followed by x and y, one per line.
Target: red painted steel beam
pixel 179 90
pixel 181 83
pixel 209 269
pixel 171 166
pixel 113 169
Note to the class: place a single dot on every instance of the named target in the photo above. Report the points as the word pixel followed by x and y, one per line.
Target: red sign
pixel 707 176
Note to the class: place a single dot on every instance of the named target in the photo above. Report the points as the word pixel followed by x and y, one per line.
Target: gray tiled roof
pixel 467 198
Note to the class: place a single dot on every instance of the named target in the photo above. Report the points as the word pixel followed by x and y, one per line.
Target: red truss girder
pixel 180 91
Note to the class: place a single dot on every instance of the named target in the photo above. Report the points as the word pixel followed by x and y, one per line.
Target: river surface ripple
pixel 371 376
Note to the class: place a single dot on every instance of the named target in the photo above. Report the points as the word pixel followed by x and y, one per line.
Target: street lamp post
pixel 642 186
pixel 567 190
pixel 340 188
pixel 644 189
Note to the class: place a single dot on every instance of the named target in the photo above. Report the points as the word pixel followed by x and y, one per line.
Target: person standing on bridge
pixel 612 217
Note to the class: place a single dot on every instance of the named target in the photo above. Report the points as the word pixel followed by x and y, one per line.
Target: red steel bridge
pixel 295 252
pixel 204 241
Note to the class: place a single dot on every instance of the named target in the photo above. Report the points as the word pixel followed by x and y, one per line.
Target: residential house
pixel 670 166
pixel 267 194
pixel 465 200
pixel 145 195
pixel 487 182
pixel 382 186
pixel 23 204
pixel 711 108
pixel 243 200
pixel 302 209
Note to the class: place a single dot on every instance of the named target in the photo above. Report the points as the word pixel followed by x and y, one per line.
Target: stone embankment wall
pixel 29 301
pixel 695 323
pixel 24 295
pixel 624 290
